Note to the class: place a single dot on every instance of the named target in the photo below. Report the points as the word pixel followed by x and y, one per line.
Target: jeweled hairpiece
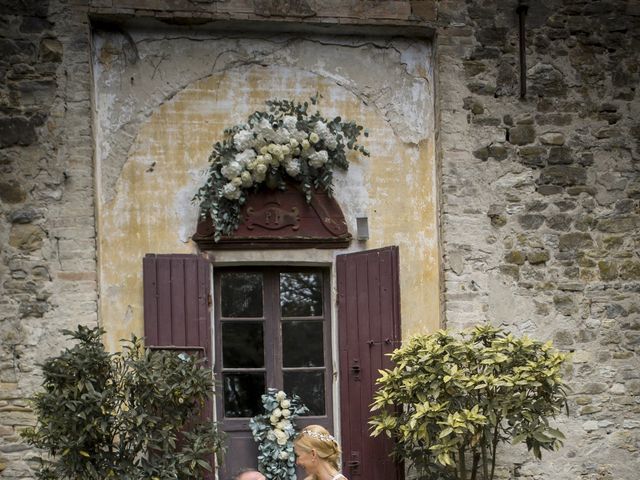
pixel 320 436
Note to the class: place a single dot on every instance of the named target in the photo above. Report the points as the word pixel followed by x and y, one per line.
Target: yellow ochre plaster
pixel 151 210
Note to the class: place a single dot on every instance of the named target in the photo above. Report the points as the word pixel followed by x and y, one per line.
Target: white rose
pixel 280 395
pixel 258 177
pixel 305 144
pixel 231 191
pixel 277 412
pixel 231 170
pixel 274 419
pixel 314 138
pixel 284 455
pixel 243 140
pixel 285 404
pixel 261 169
pixel 294 143
pixel 247 181
pixel 286 413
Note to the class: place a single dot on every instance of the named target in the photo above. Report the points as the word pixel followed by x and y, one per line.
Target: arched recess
pixel 152 211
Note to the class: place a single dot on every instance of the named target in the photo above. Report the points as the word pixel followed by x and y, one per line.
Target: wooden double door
pixel 273 328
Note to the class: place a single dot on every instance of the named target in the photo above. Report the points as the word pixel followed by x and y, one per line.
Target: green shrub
pixel 450 400
pixel 128 415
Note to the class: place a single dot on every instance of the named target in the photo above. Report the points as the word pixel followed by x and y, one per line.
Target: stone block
pixel 552 138
pixel 50 50
pixel 575 241
pixel 522 134
pixel 546 80
pixel 26 237
pixel 562 175
pixel 17 131
pixel 560 221
pixel 630 270
pixel 12 192
pixel 619 224
pixel 608 270
pixel 536 257
pixel 516 257
pixel 532 155
pixel 531 221
pixel 560 156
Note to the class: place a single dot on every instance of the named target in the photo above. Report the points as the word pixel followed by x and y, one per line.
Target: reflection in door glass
pixel 301 294
pixel 309 386
pixel 241 294
pixel 242 344
pixel 242 392
pixel 302 343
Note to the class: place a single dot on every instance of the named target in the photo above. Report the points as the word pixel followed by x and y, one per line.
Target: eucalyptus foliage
pixel 450 400
pixel 274 432
pixel 129 415
pixel 286 143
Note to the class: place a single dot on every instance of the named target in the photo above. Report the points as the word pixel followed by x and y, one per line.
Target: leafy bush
pixel 450 400
pixel 128 415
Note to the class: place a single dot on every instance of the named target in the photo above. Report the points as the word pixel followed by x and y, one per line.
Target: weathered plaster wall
pixel 539 196
pixel 145 193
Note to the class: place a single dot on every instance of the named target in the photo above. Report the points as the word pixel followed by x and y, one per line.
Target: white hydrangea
pixel 243 140
pixel 231 169
pixel 293 167
pixel 281 135
pixel 318 159
pixel 289 122
pixel 299 135
pixel 325 135
pixel 245 157
pixel 231 191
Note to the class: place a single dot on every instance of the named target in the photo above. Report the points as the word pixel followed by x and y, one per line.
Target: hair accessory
pixel 320 436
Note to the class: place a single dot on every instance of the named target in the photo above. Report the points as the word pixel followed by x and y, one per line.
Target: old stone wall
pixel 47 232
pixel 540 197
pixel 541 205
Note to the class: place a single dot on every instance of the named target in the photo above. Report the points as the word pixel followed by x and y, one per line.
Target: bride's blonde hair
pixel 316 437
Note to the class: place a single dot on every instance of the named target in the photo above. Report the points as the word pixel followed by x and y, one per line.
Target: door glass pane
pixel 242 344
pixel 309 386
pixel 241 294
pixel 301 294
pixel 302 343
pixel 242 392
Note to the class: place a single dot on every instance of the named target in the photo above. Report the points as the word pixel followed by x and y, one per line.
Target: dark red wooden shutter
pixel 176 306
pixel 176 302
pixel 369 328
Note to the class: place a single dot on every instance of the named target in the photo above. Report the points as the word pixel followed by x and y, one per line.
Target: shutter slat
pixel 164 301
pixel 150 299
